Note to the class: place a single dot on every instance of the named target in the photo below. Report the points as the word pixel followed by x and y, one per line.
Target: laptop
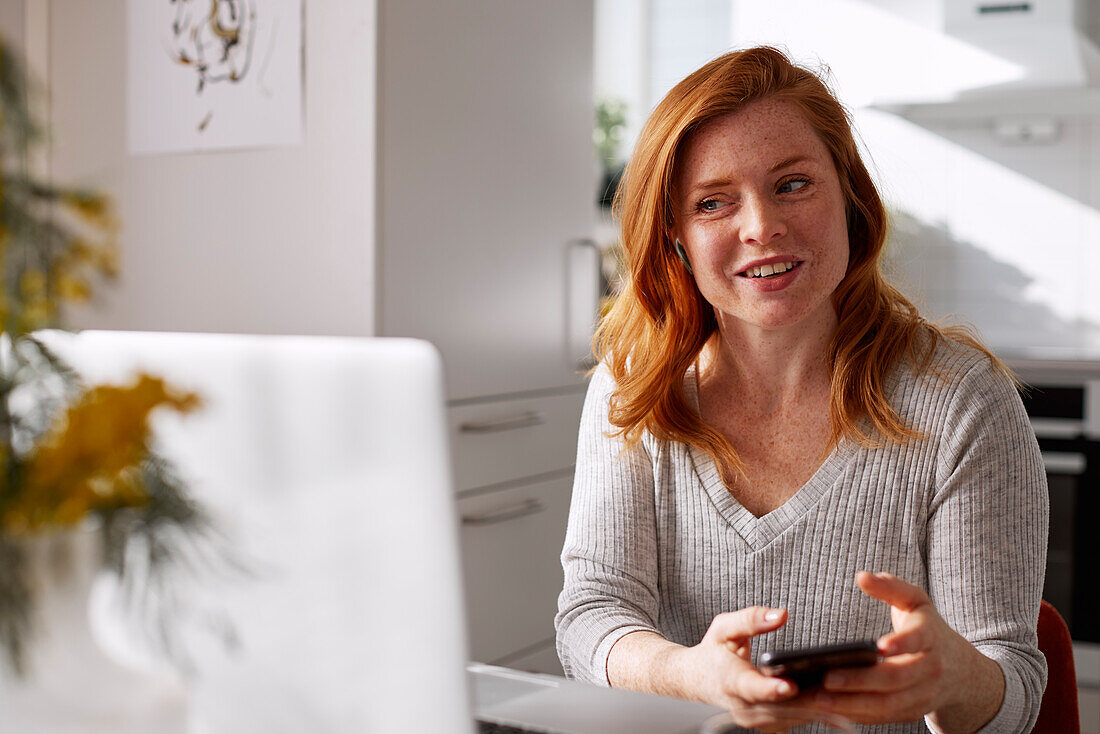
pixel 325 461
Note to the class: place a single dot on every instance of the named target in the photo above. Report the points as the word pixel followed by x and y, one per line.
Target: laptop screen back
pixel 325 461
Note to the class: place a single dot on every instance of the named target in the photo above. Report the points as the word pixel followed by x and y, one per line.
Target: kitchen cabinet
pixel 486 181
pixel 505 441
pixel 510 544
pixel 513 462
pixel 486 175
pixel 444 190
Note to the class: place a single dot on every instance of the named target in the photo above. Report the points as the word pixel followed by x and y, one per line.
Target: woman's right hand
pixel 719 670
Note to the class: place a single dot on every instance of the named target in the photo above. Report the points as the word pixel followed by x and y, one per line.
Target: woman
pixel 777 446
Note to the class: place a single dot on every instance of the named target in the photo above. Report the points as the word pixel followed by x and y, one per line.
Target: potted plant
pixel 76 460
pixel 608 138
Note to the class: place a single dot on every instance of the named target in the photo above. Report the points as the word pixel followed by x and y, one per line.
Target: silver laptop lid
pixel 326 461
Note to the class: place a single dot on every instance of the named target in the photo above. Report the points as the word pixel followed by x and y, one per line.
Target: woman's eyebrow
pixel 710 184
pixel 790 162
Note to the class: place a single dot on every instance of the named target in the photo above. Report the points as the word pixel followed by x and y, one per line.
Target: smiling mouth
pixel 770 271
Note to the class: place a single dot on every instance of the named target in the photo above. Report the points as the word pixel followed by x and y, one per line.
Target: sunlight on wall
pixel 973 236
pixel 875 56
pixel 976 238
pixel 1006 238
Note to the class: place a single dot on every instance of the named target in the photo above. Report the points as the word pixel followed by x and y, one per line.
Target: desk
pixel 506 696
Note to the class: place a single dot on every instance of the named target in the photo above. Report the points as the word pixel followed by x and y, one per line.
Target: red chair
pixel 1058 712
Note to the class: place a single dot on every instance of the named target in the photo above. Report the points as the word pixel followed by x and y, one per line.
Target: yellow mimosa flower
pixel 32 284
pixel 91 457
pixel 72 288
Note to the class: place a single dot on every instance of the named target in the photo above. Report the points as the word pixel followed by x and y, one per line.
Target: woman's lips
pixel 771 283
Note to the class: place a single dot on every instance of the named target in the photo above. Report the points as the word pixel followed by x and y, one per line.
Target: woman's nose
pixel 761 221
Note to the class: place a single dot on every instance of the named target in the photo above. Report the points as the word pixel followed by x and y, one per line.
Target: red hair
pixel 660 322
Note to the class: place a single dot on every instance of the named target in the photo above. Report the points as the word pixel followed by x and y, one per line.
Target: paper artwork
pixel 213 74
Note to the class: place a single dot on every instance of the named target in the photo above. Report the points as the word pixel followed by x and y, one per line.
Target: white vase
pixel 71 685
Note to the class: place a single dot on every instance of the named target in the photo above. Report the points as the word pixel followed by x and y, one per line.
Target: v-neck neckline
pixel 758 532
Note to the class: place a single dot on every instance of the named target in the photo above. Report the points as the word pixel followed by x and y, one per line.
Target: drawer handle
pixel 524 420
pixel 523 509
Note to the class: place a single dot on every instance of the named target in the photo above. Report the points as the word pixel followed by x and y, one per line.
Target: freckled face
pixel 760 210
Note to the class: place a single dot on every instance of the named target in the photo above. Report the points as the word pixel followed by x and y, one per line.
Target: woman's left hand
pixel 928 668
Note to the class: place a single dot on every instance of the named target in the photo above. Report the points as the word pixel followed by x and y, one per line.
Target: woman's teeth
pixel 765 271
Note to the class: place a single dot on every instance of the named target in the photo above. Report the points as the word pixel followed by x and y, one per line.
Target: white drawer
pixel 510 439
pixel 511 548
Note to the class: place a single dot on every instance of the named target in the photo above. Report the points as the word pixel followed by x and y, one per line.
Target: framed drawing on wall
pixel 213 74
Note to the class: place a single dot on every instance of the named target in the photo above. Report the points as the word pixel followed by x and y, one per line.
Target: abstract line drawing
pixel 214 74
pixel 215 38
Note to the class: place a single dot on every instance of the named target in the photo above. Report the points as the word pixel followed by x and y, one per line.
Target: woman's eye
pixel 792 185
pixel 709 205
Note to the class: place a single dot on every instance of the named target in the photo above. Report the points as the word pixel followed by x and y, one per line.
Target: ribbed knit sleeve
pixel 610 553
pixel 987 536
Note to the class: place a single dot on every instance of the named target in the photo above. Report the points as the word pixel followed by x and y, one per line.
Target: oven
pixel 1063 402
pixel 1071 455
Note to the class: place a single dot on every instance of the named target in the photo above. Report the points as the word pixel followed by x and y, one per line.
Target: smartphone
pixel 807 666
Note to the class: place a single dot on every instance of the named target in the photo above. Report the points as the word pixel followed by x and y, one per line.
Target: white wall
pixel 266 241
pixel 1006 236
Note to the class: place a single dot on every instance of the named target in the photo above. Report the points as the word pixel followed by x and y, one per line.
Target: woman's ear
pixel 682 254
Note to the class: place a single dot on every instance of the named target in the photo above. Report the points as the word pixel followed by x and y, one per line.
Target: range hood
pixel 1048 39
pixel 1053 47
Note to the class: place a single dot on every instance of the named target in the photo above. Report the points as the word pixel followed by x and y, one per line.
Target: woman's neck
pixel 772 365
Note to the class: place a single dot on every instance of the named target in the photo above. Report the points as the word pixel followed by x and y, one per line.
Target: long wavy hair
pixel 660 322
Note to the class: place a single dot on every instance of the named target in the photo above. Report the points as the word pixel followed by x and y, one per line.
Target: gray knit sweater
pixel 656 541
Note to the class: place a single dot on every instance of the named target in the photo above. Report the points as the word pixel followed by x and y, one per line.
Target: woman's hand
pixel 720 667
pixel 928 668
pixel 716 671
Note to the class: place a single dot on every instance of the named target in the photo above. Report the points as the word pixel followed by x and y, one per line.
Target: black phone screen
pixel 807 666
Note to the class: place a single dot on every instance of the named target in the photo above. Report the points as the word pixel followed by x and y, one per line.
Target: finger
pixel 919 638
pixel 804 701
pixel 746 623
pixel 742 650
pixel 877 708
pixel 750 686
pixel 895 674
pixel 892 590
